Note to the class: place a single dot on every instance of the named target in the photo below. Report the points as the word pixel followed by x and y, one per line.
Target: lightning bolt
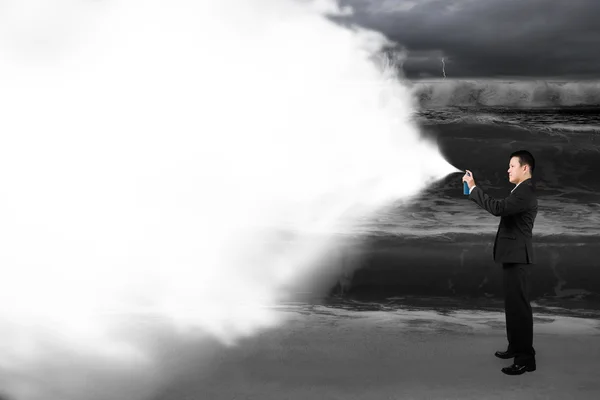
pixel 443 68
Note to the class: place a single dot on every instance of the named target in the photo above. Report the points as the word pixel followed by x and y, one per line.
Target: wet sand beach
pixel 332 353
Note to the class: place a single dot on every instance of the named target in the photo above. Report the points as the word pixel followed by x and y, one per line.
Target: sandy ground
pixel 326 353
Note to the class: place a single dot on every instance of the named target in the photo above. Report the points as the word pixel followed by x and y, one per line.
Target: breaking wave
pixel 574 128
pixel 487 93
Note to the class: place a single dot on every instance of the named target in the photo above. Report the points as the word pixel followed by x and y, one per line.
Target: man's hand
pixel 468 177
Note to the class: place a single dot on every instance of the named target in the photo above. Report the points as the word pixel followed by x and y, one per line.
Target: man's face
pixel 516 172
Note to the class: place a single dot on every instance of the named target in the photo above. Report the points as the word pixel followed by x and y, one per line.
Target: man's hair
pixel 525 157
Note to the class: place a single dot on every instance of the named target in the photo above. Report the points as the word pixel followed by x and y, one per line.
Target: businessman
pixel 513 248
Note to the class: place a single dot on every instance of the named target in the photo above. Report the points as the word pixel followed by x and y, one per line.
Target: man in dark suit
pixel 513 248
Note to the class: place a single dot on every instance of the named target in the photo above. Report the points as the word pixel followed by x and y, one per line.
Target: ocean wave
pixel 514 94
pixel 573 128
pixel 441 118
pixel 561 121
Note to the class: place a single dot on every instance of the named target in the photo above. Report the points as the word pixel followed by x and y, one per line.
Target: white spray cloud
pixel 149 154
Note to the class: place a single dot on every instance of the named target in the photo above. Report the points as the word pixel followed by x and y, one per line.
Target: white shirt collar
pixel 517 185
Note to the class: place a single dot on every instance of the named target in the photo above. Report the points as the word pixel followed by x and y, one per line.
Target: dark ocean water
pixel 440 244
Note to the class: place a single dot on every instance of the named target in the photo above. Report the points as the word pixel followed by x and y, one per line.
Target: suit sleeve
pixel 513 204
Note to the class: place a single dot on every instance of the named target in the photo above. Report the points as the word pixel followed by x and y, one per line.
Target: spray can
pixel 466 186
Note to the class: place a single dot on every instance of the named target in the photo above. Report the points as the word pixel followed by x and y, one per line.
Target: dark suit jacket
pixel 517 212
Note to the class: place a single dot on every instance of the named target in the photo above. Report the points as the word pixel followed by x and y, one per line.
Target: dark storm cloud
pixel 490 38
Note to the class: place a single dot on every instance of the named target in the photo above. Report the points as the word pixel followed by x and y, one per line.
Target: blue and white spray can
pixel 466 186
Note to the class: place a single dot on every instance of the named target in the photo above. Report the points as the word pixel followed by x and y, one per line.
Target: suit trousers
pixel 517 309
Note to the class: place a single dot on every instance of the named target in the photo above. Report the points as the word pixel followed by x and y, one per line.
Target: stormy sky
pixel 530 39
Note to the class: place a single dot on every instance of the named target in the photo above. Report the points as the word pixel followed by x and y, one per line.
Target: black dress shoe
pixel 505 354
pixel 518 369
